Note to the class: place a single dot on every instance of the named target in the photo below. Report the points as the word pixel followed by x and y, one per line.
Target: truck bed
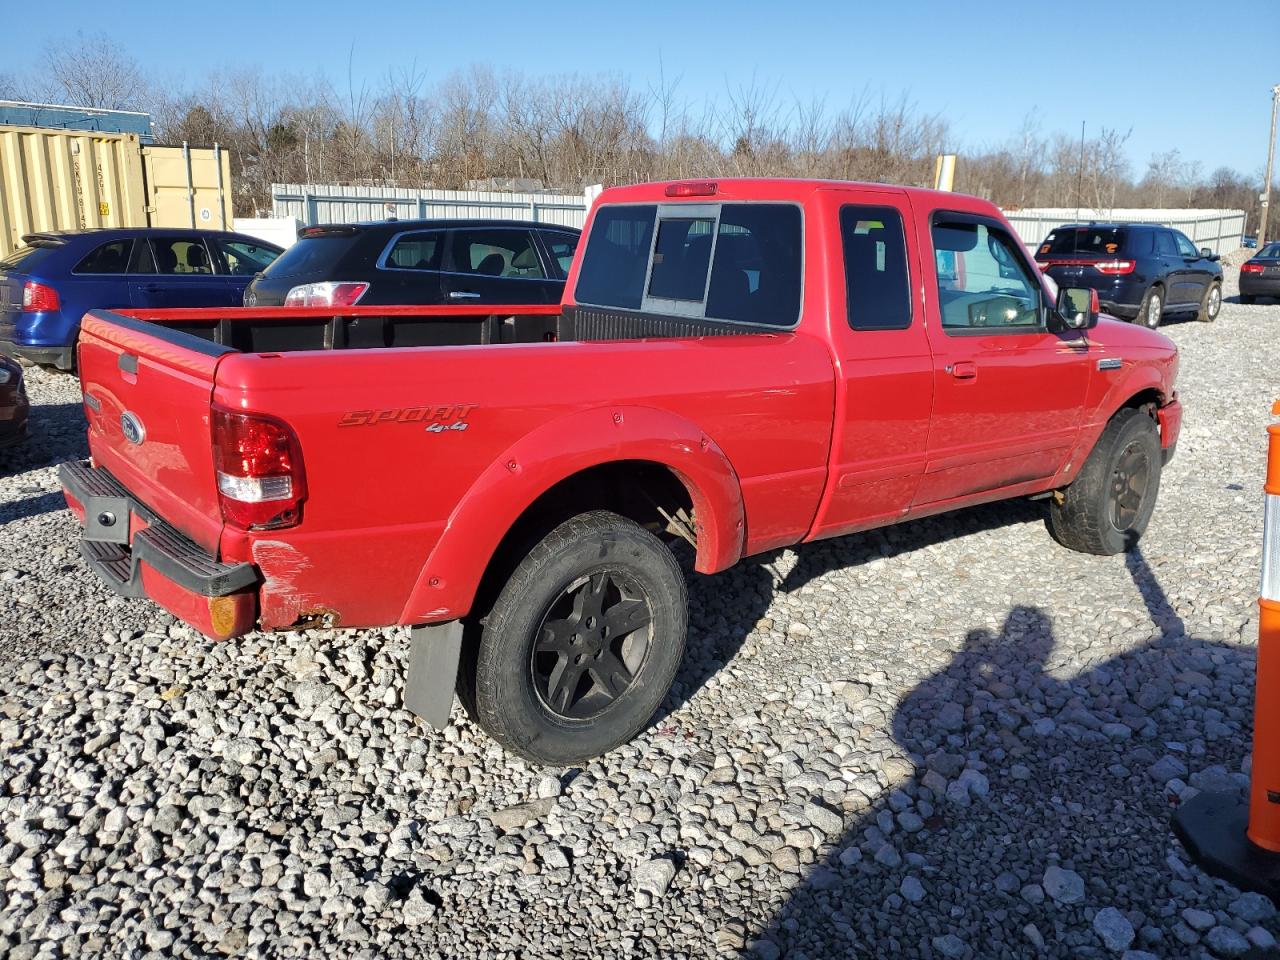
pixel 292 329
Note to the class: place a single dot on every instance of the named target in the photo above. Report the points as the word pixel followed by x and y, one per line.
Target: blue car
pixel 49 283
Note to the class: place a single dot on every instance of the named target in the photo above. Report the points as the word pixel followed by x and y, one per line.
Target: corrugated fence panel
pixel 322 203
pixel 1219 230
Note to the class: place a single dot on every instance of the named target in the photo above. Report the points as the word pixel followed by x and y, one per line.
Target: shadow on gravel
pixel 724 608
pixel 1017 771
pixel 56 433
pixel 32 506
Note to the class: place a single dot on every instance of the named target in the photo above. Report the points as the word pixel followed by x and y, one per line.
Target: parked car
pixel 743 364
pixel 48 284
pixel 14 406
pixel 1142 271
pixel 419 261
pixel 1260 274
pixel 1250 242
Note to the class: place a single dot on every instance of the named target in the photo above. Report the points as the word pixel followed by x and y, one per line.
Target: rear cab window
pixel 735 262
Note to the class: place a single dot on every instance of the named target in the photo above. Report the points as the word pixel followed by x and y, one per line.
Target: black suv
pixel 1142 271
pixel 419 262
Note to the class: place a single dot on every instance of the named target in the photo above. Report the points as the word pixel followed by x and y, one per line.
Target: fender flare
pixel 1137 380
pixel 555 451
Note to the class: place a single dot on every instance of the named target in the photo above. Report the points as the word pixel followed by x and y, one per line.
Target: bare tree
pixel 95 72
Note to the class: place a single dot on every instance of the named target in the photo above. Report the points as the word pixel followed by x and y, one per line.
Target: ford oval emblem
pixel 132 427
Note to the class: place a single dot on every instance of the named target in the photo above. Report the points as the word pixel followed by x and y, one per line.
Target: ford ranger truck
pixel 740 364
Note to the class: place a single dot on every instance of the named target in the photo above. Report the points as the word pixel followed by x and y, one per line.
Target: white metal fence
pixel 323 203
pixel 1219 230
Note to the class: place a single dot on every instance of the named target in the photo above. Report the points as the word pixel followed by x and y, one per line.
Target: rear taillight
pixel 259 467
pixel 1251 268
pixel 37 297
pixel 327 294
pixel 1114 268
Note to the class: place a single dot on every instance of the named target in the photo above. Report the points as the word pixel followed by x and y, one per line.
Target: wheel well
pixel 636 489
pixel 1147 401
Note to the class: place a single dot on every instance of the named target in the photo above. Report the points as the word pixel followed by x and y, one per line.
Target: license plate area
pixel 106 520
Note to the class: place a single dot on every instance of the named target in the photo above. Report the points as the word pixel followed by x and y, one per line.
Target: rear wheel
pixel 1108 506
pixel 583 642
pixel 1211 303
pixel 1151 308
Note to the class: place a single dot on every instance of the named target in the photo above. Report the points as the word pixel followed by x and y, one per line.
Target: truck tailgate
pixel 147 401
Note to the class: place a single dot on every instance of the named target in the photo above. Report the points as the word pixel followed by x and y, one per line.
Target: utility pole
pixel 1271 154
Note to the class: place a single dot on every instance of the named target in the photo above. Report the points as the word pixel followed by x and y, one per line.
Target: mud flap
pixel 433 670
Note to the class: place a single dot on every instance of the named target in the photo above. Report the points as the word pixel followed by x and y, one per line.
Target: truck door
pixel 1008 395
pixel 884 369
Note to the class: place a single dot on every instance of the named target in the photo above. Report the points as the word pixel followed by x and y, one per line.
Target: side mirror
pixel 1078 307
pixel 1207 253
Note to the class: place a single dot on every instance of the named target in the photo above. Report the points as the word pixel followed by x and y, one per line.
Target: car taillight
pixel 258 462
pixel 1251 268
pixel 327 294
pixel 1113 268
pixel 39 296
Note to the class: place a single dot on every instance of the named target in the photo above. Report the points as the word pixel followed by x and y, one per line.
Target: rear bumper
pixel 1254 286
pixel 139 555
pixel 59 356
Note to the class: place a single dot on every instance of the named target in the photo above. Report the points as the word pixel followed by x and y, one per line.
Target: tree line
pixel 482 127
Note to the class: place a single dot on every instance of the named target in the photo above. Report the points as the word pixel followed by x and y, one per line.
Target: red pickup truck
pixel 744 364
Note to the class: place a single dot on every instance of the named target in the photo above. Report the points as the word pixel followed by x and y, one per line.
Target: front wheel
pixel 1108 506
pixel 583 642
pixel 1151 308
pixel 1211 304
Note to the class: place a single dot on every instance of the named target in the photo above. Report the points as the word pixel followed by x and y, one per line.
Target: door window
pixel 496 253
pixel 416 251
pixel 181 256
pixel 983 282
pixel 561 247
pixel 110 257
pixel 1185 247
pixel 244 259
pixel 877 285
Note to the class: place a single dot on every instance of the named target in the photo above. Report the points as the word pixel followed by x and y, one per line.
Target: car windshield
pixel 1090 241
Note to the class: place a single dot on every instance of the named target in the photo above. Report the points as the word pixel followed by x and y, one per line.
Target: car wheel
pixel 1247 299
pixel 583 642
pixel 1151 308
pixel 1211 303
pixel 1107 507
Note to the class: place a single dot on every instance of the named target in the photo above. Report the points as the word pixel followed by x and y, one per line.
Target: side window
pixel 111 257
pixel 1185 247
pixel 756 273
pixel 617 257
pixel 1165 245
pixel 561 246
pixel 180 255
pixel 876 279
pixel 416 251
pixel 496 253
pixel 982 281
pixel 244 258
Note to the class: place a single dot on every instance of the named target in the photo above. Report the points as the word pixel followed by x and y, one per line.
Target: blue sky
pixel 1184 75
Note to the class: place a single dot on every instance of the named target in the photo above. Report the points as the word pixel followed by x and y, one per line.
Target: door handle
pixel 463 295
pixel 963 370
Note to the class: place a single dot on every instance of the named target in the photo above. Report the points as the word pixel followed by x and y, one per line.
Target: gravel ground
pixel 948 739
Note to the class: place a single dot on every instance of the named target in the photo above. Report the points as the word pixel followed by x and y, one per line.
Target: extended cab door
pixel 1008 395
pixel 496 265
pixel 884 367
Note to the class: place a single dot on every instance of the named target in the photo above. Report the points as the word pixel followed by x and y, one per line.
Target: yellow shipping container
pixel 73 179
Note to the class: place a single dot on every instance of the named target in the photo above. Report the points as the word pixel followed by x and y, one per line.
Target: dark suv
pixel 419 262
pixel 1142 271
